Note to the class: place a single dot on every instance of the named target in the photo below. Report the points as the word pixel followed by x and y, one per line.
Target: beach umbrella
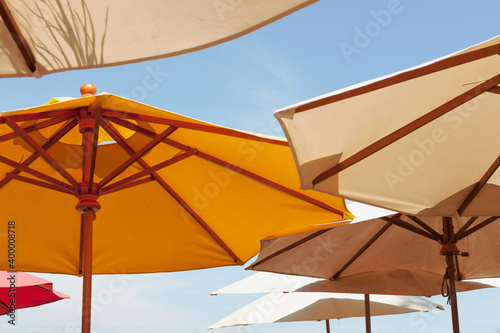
pixel 167 192
pixel 422 141
pixel 42 37
pixel 19 290
pixel 388 253
pixel 298 306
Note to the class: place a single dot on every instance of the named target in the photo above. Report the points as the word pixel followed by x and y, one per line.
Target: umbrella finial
pixel 88 89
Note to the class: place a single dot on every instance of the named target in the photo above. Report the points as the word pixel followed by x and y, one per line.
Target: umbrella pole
pixel 367 314
pixel 88 218
pixel 450 249
pixel 327 325
pixel 452 292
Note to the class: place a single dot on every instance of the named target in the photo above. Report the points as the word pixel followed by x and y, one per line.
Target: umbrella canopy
pixel 26 290
pixel 407 282
pixel 399 247
pixel 274 308
pixel 42 37
pixel 421 141
pixel 176 193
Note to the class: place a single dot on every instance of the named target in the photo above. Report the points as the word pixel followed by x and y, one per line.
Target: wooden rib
pixel 424 225
pixel 361 250
pixel 36 127
pixel 42 152
pixel 240 170
pixel 17 36
pixel 480 184
pixel 121 141
pixel 147 171
pixel 150 145
pixel 407 129
pixel 495 90
pixel 145 180
pixel 405 225
pixel 479 226
pixel 42 176
pixel 50 142
pixel 39 183
pixel 194 126
pixel 290 247
pixel 405 76
pixel 465 226
pixel 39 115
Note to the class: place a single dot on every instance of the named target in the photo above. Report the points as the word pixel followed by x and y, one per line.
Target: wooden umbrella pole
pixel 450 250
pixel 452 292
pixel 327 326
pixel 368 314
pixel 88 219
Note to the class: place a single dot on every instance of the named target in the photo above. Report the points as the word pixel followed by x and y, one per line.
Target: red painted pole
pixel 88 219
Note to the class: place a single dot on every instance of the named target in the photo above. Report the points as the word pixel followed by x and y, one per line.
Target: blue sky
pixel 324 47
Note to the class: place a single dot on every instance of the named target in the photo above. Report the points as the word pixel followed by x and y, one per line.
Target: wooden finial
pixel 88 89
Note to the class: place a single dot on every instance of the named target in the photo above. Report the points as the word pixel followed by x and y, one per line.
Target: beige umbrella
pixel 385 254
pixel 274 308
pixel 422 141
pixel 42 37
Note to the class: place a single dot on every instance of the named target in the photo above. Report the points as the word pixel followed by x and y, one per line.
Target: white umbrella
pixel 297 306
pixel 42 37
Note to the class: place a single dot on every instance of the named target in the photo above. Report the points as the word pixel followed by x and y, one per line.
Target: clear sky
pixel 324 47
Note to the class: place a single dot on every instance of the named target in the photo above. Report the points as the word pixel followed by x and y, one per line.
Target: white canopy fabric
pixel 278 307
pixel 423 141
pixel 404 282
pixel 42 37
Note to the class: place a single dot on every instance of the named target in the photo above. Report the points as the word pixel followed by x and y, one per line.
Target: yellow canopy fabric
pixel 240 187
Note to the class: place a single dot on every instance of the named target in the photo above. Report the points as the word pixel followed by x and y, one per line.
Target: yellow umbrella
pixel 173 193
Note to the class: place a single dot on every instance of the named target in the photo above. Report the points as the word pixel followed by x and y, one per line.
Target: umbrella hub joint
pixel 449 248
pixel 87 197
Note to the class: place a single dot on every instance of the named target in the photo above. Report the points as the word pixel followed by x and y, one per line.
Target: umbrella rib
pixel 42 152
pixel 149 170
pixel 39 115
pixel 495 90
pixel 121 141
pixel 50 142
pixel 362 250
pixel 479 185
pixel 136 156
pixel 35 127
pixel 232 167
pixel 405 76
pixel 193 126
pixel 407 129
pixel 405 225
pixel 111 189
pixel 38 174
pixel 39 183
pixel 465 226
pixel 425 226
pixel 290 247
pixel 17 36
pixel 479 226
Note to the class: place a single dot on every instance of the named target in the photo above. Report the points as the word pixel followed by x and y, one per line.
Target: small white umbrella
pixel 297 306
